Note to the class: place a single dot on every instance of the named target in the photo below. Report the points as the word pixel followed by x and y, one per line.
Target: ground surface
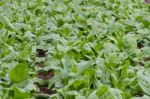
pixel 74 49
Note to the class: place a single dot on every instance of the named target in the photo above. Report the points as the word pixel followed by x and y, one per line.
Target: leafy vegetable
pixel 74 49
pixel 19 72
pixel 143 80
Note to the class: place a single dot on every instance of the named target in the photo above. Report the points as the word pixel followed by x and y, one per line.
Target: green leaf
pixel 114 80
pixel 143 79
pixel 104 92
pixel 20 93
pixel 19 72
pixel 6 22
pixel 103 89
pixel 78 84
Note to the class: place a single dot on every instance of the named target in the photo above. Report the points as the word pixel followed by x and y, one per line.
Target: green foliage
pixel 143 80
pixel 19 72
pixel 19 94
pixel 96 48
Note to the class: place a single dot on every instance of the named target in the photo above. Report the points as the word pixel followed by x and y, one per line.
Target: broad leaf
pixel 19 72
